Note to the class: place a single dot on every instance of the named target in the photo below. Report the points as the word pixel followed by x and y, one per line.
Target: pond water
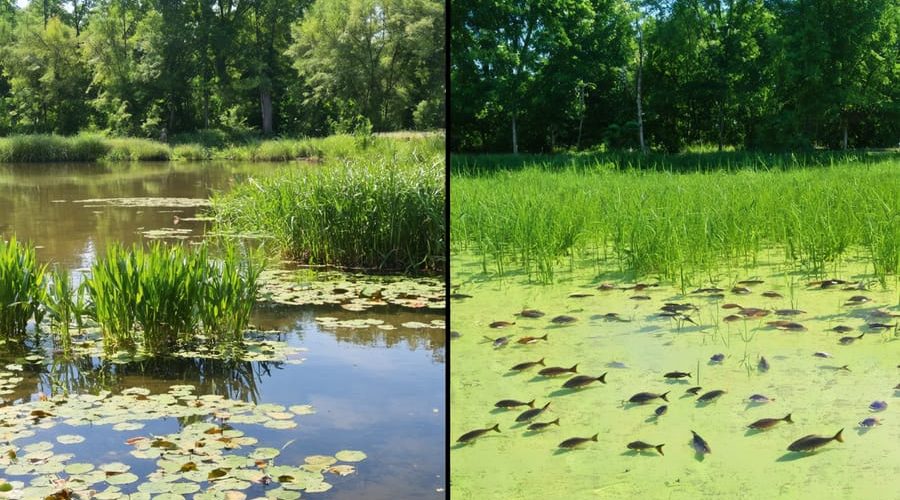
pixel 635 348
pixel 375 387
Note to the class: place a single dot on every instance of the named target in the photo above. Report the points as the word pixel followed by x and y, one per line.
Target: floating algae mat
pixel 211 453
pixel 775 344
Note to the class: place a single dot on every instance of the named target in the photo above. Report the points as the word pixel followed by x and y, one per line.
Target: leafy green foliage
pixel 21 288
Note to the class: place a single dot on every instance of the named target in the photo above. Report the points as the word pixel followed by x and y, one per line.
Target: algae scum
pixel 750 344
pixel 336 391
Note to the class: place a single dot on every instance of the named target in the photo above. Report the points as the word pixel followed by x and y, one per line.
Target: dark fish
pixel 531 340
pixel 791 327
pixel 641 446
pixel 897 387
pixel 740 290
pixel 842 329
pixel 563 320
pixel 772 295
pixel 582 380
pixel 499 341
pixel 711 395
pixel 857 299
pixel 751 282
pixel 820 354
pixel 580 295
pixel 878 326
pixel 849 340
pixel 699 444
pixel 639 297
pixel 732 317
pixel 827 283
pixel 540 425
pixel 763 365
pixel 527 415
pixel 661 410
pixel 477 433
pixel 878 313
pixel 677 375
pixel 716 296
pixel 693 390
pixel 459 296
pixel 527 365
pixel 731 306
pixel 512 403
pixel 836 368
pixel 676 307
pixel 878 406
pixel 870 422
pixel 717 358
pixel 606 287
pixel 708 290
pixel 759 398
pixel 501 324
pixel 613 317
pixel 531 313
pixel 753 312
pixel 454 334
pixel 640 286
pixel 768 423
pixel 573 442
pixel 811 442
pixel 616 364
pixel 645 397
pixel 789 312
pixel 558 370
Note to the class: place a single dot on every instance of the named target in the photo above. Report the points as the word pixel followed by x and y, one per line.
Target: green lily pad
pixel 124 478
pixel 320 460
pixel 350 456
pixel 264 453
pixel 302 409
pixel 115 468
pixel 79 468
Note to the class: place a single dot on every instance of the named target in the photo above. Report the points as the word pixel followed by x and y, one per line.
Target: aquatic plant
pixel 193 152
pixel 229 292
pixel 60 303
pixel 383 212
pixel 21 288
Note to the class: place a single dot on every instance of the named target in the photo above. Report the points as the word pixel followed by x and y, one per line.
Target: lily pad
pixel 350 456
pixel 124 478
pixel 70 439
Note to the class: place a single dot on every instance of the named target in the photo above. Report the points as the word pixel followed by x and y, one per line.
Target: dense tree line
pixel 544 75
pixel 151 67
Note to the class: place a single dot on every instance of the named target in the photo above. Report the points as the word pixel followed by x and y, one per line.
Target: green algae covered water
pixel 636 349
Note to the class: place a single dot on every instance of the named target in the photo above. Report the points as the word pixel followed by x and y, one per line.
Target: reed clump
pixel 21 289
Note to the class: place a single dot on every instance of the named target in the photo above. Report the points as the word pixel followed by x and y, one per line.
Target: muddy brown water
pixel 379 391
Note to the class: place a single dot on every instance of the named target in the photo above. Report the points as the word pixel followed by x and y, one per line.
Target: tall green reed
pixel 21 288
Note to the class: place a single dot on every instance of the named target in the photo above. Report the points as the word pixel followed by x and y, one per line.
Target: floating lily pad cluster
pixel 168 232
pixel 209 458
pixel 352 292
pixel 145 202
pixel 9 379
pixel 331 322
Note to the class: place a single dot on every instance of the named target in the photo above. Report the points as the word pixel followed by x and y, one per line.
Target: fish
pixel 646 397
pixel 772 295
pixel 531 340
pixel 740 290
pixel 789 312
pixel 502 324
pixel 821 354
pixel 676 307
pixel 842 329
pixel 582 380
pixel 870 422
pixel 531 313
pixel 827 283
pixel 731 306
pixel 563 319
pixel 879 326
pixel 558 370
pixel 573 442
pixel 606 287
pixel 677 375
pixel 640 286
pixel 693 390
pixel 732 317
pixel 836 368
pixel 459 296
pixel 760 398
pixel 849 340
pixel 768 423
pixel 454 334
pixel 616 364
pixel 641 446
pixel 751 282
pixel 540 425
pixel 878 406
pixel 661 410
pixel 639 297
pixel 857 299
pixel 753 312
pixel 811 442
pixel 708 290
pixel 717 358
pixel 711 395
pixel 878 313
pixel 469 436
pixel 763 365
pixel 790 326
pixel 512 403
pixel 613 317
pixel 897 387
pixel 527 365
pixel 580 295
pixel 699 444
pixel 716 296
pixel 499 341
pixel 527 415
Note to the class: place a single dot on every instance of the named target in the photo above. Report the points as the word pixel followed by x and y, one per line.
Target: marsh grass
pixel 680 226
pixel 21 288
pixel 162 297
pixel 382 210
pixel 60 304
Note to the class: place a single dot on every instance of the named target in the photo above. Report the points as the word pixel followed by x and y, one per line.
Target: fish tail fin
pixel 602 378
pixel 530 403
pixel 659 449
pixel 544 337
pixel 594 437
pixel 541 362
pixel 838 437
pixel 546 405
pixel 556 422
pixel 689 375
pixel 496 428
pixel 663 396
pixel 787 419
pixel 574 368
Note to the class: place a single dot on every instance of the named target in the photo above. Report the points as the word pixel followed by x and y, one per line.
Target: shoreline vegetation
pixel 204 145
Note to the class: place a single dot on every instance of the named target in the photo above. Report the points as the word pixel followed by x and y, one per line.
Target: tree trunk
pixel 640 70
pixel 265 105
pixel 515 140
pixel 844 144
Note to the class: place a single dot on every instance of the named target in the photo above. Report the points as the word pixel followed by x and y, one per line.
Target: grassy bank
pixel 378 208
pixel 195 147
pixel 680 226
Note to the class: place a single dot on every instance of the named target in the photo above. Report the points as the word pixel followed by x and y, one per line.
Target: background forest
pixel 242 67
pixel 550 75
